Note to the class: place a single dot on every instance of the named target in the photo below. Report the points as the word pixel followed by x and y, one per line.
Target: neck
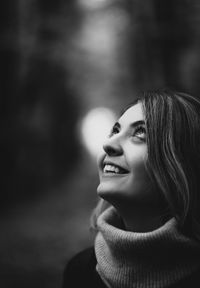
pixel 140 220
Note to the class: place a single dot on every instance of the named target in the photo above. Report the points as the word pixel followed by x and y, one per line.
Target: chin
pixel 103 190
pixel 108 192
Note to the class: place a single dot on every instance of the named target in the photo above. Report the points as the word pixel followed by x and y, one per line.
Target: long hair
pixel 173 161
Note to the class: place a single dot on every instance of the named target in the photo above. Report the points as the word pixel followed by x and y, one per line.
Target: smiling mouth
pixel 114 169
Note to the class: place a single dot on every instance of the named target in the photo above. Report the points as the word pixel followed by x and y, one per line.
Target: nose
pixel 112 147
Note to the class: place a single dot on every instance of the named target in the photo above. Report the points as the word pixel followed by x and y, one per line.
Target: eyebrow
pixel 137 123
pixel 133 125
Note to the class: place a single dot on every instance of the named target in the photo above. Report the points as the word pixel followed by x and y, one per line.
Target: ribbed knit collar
pixel 155 259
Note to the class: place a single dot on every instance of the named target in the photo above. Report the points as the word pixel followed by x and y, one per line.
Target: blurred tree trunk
pixel 38 110
pixel 165 44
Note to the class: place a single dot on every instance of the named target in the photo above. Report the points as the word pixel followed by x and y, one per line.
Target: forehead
pixel 132 114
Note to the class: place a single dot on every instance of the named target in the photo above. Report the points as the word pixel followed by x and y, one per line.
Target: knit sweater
pixel 156 259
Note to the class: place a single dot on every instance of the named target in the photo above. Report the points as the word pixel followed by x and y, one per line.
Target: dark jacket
pixel 81 272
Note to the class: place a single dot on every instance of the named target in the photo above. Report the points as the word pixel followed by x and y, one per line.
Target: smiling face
pixel 122 171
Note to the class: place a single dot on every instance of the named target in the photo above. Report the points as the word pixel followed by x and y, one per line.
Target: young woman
pixel 148 221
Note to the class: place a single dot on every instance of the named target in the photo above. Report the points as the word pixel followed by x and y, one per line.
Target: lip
pixel 105 162
pixel 111 175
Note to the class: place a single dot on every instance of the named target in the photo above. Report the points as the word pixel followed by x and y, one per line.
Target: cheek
pixel 136 159
pixel 100 158
pixel 140 187
pixel 139 175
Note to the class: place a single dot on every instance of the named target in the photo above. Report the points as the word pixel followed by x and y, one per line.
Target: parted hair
pixel 173 161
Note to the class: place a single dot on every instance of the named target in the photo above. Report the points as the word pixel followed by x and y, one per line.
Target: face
pixel 122 171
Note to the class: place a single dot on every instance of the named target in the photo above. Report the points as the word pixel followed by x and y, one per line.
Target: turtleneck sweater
pixel 156 259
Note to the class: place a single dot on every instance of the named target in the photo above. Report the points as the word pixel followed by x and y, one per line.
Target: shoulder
pixel 83 262
pixel 81 271
pixel 190 281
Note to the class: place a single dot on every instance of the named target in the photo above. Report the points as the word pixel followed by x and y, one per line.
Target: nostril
pixel 111 150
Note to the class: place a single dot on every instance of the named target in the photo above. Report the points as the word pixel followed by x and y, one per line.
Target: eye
pixel 114 130
pixel 140 133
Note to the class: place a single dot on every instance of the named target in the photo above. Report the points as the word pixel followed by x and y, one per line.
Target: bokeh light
pixel 95 127
pixel 93 4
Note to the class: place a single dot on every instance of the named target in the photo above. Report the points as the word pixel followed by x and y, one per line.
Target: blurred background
pixel 67 70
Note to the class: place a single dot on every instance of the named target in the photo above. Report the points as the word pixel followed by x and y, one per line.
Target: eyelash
pixel 137 132
pixel 114 130
pixel 140 130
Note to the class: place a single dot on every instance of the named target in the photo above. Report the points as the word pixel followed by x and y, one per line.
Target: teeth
pixel 111 168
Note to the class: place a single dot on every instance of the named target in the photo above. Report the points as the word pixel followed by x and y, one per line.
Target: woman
pixel 148 221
